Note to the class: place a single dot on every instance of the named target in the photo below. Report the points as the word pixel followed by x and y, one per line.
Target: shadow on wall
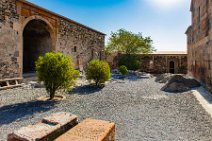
pixel 23 111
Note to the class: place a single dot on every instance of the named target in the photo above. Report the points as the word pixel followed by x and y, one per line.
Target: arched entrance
pixel 36 42
pixel 171 67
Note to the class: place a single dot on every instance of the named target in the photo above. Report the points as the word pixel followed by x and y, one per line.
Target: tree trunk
pixel 52 94
pixel 97 82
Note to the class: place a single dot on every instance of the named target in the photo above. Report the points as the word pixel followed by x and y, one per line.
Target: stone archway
pixel 171 67
pixel 36 42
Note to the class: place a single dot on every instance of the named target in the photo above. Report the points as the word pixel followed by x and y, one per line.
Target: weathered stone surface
pixel 64 35
pixel 9 52
pixel 50 128
pixel 156 63
pixel 60 118
pixel 90 130
pixel 83 44
pixel 199 42
pixel 8 13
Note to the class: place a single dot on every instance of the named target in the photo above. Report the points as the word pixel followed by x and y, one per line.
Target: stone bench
pixel 48 129
pixel 90 130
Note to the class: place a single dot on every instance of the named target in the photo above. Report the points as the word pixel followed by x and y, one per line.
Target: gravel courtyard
pixel 141 111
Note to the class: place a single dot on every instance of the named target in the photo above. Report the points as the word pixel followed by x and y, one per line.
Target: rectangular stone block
pixel 90 130
pixel 48 129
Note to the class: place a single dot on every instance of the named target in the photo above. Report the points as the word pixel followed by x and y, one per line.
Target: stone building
pixel 158 62
pixel 28 31
pixel 165 62
pixel 199 41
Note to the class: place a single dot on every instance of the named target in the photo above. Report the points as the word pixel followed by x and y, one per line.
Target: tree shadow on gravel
pixel 86 89
pixel 23 111
pixel 128 77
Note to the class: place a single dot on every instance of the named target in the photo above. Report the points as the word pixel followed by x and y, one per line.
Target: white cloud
pixel 166 4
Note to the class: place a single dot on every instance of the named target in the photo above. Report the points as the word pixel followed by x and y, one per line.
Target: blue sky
pixel 164 20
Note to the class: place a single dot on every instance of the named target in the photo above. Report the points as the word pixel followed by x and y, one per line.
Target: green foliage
pixel 126 42
pixel 56 71
pixel 123 70
pixel 99 71
pixel 130 61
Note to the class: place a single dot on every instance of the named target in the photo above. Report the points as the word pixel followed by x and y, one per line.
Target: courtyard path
pixel 141 111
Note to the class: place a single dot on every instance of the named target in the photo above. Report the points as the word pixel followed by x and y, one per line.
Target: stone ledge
pixel 90 130
pixel 48 129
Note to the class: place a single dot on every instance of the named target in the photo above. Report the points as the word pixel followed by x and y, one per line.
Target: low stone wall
pixel 48 129
pixel 155 63
pixel 90 130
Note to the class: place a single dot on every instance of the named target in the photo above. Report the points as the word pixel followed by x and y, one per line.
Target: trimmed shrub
pixel 123 70
pixel 130 61
pixel 98 71
pixel 56 71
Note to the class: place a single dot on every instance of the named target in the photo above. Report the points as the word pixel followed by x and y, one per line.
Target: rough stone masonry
pixel 199 42
pixel 28 31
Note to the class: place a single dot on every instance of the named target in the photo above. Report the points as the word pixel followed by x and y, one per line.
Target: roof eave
pixel 60 16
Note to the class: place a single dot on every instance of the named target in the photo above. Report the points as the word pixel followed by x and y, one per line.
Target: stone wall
pixel 67 36
pixel 156 63
pixel 160 63
pixel 81 43
pixel 199 40
pixel 112 59
pixel 9 53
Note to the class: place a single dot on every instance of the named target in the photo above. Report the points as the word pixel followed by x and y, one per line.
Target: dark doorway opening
pixel 172 67
pixel 36 42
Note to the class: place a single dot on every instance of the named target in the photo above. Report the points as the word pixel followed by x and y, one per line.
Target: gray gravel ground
pixel 141 111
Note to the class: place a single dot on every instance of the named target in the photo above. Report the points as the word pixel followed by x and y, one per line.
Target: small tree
pixel 129 44
pixel 123 70
pixel 99 71
pixel 56 71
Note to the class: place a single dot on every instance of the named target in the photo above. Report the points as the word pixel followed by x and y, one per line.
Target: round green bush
pixel 56 71
pixel 123 70
pixel 98 71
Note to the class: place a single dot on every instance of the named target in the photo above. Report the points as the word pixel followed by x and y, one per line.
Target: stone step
pixel 90 130
pixel 48 129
